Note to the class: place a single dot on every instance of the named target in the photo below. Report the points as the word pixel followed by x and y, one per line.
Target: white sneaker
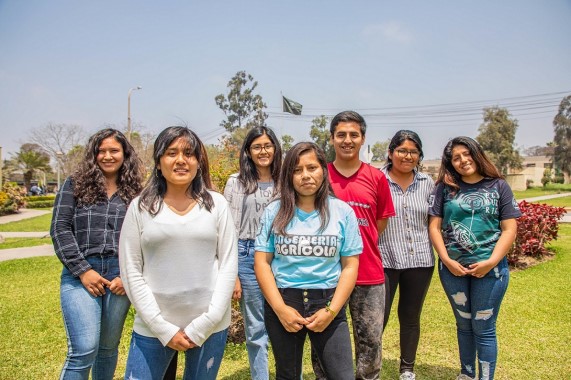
pixel 407 375
pixel 464 377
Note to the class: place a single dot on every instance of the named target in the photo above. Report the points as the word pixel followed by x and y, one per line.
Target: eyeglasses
pixel 258 148
pixel 402 153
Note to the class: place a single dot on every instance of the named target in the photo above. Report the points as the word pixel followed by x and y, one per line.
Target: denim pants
pixel 149 359
pixel 333 345
pixel 412 284
pixel 252 307
pixel 476 304
pixel 93 324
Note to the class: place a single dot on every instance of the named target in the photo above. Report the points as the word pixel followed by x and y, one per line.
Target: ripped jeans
pixel 476 304
pixel 149 360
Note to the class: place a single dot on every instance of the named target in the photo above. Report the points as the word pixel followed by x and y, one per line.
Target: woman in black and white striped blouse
pixel 408 259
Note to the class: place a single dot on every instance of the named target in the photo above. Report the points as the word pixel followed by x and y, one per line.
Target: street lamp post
pixel 129 111
pixel 58 159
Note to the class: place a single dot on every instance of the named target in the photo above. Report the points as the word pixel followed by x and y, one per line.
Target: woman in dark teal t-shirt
pixel 472 227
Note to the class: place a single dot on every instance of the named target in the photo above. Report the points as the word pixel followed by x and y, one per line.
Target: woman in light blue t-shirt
pixel 306 263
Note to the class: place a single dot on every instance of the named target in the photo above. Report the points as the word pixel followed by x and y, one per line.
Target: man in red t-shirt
pixel 366 190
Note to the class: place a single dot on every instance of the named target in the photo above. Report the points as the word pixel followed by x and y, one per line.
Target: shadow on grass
pixel 424 371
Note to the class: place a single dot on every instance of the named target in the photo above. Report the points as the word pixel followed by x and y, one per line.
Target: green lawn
pixel 534 327
pixel 557 202
pixel 24 242
pixel 540 191
pixel 36 224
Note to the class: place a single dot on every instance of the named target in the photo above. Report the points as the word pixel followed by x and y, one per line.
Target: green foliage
pixel 379 150
pixel 242 107
pixel 562 139
pixel 40 204
pixel 31 159
pixel 287 143
pixel 321 135
pixel 497 136
pixel 546 177
pixel 12 198
pixel 224 161
pixel 35 198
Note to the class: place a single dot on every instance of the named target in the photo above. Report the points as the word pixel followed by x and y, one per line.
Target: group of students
pixel 295 242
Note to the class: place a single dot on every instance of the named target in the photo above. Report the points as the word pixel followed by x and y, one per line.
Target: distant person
pixel 472 227
pixel 307 259
pixel 366 190
pixel 408 259
pixel 179 262
pixel 35 190
pixel 87 218
pixel 248 193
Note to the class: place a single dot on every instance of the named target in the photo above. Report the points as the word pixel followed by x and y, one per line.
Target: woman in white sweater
pixel 178 260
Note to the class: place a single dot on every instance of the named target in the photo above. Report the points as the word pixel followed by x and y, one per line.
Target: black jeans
pixel 413 283
pixel 333 345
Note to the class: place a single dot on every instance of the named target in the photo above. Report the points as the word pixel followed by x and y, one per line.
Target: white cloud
pixel 391 31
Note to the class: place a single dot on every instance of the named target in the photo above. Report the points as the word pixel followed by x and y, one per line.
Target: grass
pixel 38 223
pixel 534 328
pixel 540 191
pixel 24 242
pixel 557 202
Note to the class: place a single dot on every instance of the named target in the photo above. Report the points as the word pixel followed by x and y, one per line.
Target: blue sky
pixel 73 62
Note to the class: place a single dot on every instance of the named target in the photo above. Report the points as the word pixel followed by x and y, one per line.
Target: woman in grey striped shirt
pixel 408 259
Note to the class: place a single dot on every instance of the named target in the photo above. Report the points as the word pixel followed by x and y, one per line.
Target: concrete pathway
pixel 545 197
pixel 23 214
pixel 20 253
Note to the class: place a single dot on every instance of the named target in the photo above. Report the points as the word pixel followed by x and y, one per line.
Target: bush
pixel 40 204
pixel 35 198
pixel 40 201
pixel 12 198
pixel 537 226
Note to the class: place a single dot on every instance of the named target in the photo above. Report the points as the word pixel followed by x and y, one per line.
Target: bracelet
pixel 330 310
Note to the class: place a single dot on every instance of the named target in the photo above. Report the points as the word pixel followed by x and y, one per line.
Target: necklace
pixel 182 212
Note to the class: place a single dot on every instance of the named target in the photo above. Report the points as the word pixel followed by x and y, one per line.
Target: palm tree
pixel 30 159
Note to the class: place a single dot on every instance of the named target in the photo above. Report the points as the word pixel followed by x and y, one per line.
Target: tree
pixel 562 139
pixel 538 150
pixel 321 135
pixel 497 135
pixel 379 150
pixel 287 143
pixel 56 139
pixel 243 108
pixel 31 159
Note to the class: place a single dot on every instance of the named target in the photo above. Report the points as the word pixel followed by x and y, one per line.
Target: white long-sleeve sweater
pixel 179 271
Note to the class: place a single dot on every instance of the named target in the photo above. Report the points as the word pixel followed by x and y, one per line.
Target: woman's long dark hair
pixel 450 177
pixel 288 194
pixel 249 175
pixel 88 179
pixel 398 139
pixel 156 187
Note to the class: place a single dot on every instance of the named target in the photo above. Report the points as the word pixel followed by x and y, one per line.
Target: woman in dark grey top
pixel 87 218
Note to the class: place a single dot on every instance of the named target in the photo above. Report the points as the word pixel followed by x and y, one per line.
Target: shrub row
pixel 538 225
pixel 40 204
pixel 36 198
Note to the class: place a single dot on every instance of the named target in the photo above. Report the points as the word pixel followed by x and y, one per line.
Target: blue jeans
pixel 149 359
pixel 476 304
pixel 252 306
pixel 332 345
pixel 93 324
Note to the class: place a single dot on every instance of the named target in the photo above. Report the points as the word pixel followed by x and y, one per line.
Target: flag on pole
pixel 291 106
